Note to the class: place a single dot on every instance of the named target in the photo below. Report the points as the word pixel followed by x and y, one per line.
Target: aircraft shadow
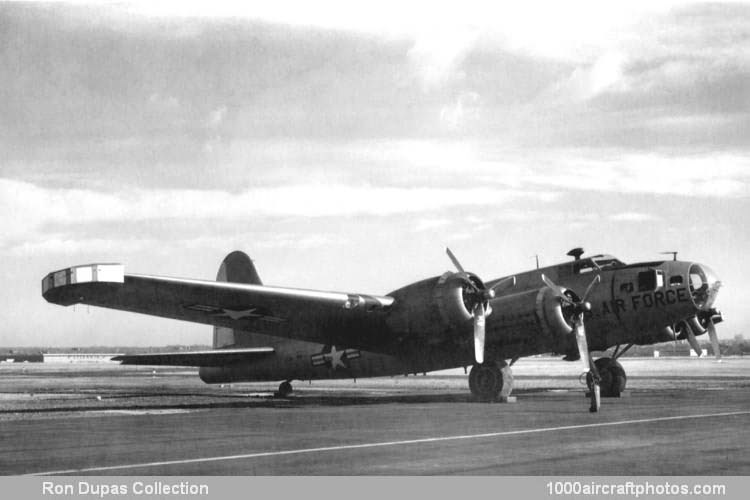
pixel 299 400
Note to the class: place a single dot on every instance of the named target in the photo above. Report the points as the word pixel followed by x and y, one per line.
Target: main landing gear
pixel 606 379
pixel 612 378
pixel 491 381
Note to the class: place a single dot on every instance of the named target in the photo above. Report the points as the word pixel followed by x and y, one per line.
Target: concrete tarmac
pixel 391 427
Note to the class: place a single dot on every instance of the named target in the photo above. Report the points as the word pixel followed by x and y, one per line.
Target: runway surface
pixel 679 417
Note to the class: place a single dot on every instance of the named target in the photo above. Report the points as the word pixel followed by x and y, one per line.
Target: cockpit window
pixel 596 263
pixel 585 268
pixel 675 280
pixel 608 262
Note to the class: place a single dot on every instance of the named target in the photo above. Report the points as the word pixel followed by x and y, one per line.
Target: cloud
pixel 165 102
pixel 633 217
pixel 437 53
pixel 28 210
pixel 215 117
pixel 430 224
pixel 586 82
pixel 463 111
pixel 59 243
pixel 717 175
pixel 540 27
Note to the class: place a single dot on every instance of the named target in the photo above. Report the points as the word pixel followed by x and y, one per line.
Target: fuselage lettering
pixel 655 299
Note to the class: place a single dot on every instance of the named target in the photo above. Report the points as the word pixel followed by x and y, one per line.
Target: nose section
pixel 704 286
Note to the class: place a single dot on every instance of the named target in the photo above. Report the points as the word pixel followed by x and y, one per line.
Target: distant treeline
pixel 18 351
pixel 733 347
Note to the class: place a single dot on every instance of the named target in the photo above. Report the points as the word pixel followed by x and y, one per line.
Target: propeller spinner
pixel 478 299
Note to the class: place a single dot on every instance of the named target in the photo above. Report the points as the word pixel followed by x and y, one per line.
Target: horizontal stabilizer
pixel 215 357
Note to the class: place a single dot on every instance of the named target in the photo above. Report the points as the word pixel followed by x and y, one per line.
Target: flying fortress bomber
pixel 264 333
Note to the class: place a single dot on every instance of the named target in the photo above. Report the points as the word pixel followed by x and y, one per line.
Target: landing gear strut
pixel 490 381
pixel 285 389
pixel 594 382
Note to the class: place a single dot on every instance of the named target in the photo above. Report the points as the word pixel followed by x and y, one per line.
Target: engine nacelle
pixel 445 302
pixel 531 314
pixel 439 308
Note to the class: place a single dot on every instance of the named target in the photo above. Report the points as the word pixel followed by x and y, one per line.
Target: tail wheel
pixel 491 380
pixel 613 378
pixel 285 389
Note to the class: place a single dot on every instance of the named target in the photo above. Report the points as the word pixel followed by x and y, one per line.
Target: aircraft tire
pixel 491 380
pixel 613 378
pixel 285 389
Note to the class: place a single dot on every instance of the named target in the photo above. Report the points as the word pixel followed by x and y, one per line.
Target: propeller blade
pixel 479 333
pixel 549 282
pixel 596 280
pixel 504 283
pixel 693 341
pixel 454 260
pixel 714 339
pixel 583 349
pixel 564 298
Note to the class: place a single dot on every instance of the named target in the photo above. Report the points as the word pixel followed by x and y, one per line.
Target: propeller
pixel 710 318
pixel 693 341
pixel 481 297
pixel 577 309
pixel 705 319
pixel 714 340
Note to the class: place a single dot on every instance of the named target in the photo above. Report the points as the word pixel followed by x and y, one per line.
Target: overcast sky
pixel 343 146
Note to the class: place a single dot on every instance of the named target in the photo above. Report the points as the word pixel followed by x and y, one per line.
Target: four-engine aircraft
pixel 264 333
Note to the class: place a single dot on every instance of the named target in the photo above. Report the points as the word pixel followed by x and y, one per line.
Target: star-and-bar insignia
pixel 334 358
pixel 236 314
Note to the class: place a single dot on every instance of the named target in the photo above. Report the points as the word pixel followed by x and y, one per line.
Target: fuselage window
pixel 647 281
pixel 659 279
pixel 675 280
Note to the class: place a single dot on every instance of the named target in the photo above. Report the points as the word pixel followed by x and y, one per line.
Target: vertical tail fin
pixel 236 267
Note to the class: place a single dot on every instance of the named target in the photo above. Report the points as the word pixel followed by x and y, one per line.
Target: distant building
pixel 21 358
pixel 704 353
pixel 76 357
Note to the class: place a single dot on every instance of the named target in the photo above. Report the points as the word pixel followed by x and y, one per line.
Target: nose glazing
pixel 704 286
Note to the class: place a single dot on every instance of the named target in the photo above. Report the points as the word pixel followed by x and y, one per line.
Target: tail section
pixel 236 267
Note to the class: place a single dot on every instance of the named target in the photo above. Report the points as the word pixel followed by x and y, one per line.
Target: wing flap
pixel 216 357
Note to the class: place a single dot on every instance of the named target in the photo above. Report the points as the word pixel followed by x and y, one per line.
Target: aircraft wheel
pixel 285 389
pixel 491 380
pixel 613 378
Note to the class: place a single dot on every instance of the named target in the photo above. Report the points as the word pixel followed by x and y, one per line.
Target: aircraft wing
pixel 317 316
pixel 215 357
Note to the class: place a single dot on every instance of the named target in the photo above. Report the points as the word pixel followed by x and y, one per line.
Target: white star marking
pixel 335 358
pixel 247 313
